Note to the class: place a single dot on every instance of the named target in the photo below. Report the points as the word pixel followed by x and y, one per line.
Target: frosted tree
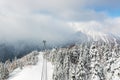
pixel 4 73
pixel 96 68
pixel 96 61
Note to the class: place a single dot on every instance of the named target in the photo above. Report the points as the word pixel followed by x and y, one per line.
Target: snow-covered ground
pixel 32 72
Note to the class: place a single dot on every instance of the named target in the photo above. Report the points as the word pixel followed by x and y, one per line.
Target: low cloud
pixel 109 25
pixel 36 27
pixel 48 19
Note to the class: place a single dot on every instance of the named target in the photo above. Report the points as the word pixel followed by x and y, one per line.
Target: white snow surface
pixel 32 72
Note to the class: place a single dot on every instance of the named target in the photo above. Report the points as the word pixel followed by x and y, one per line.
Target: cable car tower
pixel 44 67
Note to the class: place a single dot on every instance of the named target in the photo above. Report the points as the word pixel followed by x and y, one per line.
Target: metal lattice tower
pixel 44 67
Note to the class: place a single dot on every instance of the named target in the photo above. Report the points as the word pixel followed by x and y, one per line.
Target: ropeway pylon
pixel 44 67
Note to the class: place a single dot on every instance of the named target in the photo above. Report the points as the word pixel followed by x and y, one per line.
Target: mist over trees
pixel 9 50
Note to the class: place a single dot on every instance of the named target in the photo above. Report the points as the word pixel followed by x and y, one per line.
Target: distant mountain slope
pixel 96 36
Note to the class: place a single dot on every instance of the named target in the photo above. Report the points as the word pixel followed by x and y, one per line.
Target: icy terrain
pixel 32 72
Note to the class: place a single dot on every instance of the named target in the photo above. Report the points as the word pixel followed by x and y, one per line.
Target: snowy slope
pixel 32 72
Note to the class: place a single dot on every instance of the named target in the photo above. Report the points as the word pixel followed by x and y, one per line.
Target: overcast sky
pixel 51 19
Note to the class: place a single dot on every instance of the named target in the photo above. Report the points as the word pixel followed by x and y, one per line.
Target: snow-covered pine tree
pixel 96 68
